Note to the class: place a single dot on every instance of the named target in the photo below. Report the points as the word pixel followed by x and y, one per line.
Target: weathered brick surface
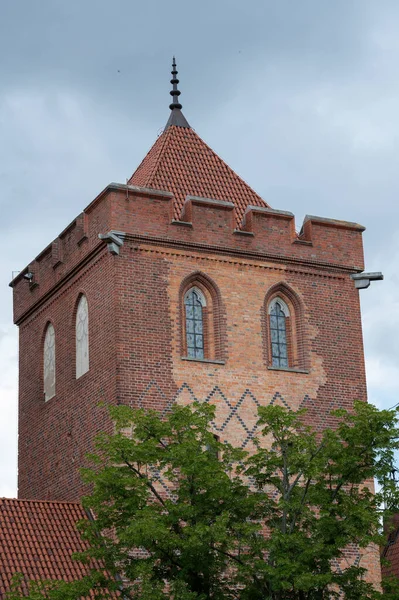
pixel 54 436
pixel 136 324
pixel 137 352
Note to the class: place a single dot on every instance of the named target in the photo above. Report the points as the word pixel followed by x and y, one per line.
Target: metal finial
pixel 174 92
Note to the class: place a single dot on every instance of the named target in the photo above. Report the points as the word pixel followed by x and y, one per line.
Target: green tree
pixel 180 514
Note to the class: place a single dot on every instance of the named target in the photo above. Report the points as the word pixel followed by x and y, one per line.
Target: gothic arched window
pixel 278 314
pixel 82 337
pixel 194 302
pixel 49 363
pixel 284 330
pixel 202 319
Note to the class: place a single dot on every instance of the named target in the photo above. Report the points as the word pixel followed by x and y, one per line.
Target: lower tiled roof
pixel 38 538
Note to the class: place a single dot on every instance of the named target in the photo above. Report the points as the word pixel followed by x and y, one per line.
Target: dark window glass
pixel 278 336
pixel 211 449
pixel 194 325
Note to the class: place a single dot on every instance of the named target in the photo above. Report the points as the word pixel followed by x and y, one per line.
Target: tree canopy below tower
pixel 180 513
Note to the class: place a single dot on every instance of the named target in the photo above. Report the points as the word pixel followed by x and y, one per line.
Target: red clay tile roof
pixel 180 162
pixel 38 538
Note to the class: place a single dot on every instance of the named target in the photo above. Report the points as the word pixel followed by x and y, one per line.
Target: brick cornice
pixel 240 253
pixel 301 264
pixel 247 262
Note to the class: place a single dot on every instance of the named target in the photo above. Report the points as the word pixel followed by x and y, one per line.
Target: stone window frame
pixel 213 316
pixel 81 296
pixel 297 347
pixel 49 389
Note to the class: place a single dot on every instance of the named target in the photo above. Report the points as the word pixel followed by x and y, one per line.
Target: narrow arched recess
pixel 82 336
pixel 49 362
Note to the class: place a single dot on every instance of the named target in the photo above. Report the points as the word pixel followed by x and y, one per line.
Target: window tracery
pixel 194 302
pixel 284 329
pixel 202 319
pixel 278 313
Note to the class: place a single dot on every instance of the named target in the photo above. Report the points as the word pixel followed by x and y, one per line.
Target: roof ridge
pixel 31 500
pixel 158 158
pixel 223 162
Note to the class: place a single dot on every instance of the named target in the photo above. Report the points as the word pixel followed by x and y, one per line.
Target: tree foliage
pixel 180 514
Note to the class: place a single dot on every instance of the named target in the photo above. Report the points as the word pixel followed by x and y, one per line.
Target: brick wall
pixel 137 320
pixel 54 436
pixel 136 324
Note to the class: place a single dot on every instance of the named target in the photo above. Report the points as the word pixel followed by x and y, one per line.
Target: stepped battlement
pixel 146 216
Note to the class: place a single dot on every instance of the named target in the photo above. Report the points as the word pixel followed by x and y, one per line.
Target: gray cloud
pixel 85 44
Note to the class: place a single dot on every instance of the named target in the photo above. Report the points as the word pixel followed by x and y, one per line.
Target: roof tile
pixel 29 529
pixel 181 162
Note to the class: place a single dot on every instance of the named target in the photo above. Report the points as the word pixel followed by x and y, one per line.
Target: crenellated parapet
pixel 321 240
pixel 143 215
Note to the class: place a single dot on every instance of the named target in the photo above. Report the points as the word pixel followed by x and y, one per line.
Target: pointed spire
pixel 174 92
pixel 176 116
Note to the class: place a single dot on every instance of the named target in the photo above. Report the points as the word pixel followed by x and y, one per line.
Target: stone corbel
pixel 363 280
pixel 114 240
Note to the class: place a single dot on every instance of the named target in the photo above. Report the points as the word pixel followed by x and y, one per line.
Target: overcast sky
pixel 300 97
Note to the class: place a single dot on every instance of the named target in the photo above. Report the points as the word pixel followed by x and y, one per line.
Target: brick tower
pixel 183 284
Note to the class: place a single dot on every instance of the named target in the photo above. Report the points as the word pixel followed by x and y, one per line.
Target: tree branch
pixel 239 561
pixel 146 480
pixel 298 511
pixel 312 457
